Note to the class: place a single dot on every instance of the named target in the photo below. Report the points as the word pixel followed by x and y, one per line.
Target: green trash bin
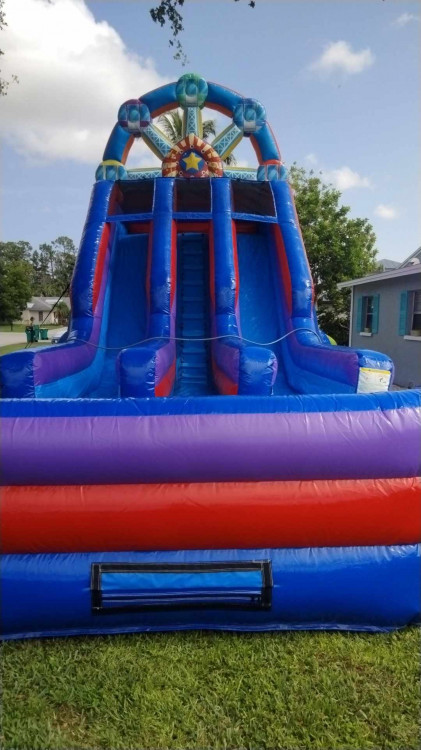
pixel 43 334
pixel 32 334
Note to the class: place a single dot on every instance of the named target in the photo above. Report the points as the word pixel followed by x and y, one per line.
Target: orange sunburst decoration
pixel 192 157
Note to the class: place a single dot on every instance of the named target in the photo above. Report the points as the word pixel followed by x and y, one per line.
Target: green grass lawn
pixel 20 327
pixel 17 347
pixel 287 691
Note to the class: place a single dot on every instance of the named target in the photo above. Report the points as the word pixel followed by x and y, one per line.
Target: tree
pixel 65 258
pixel 52 266
pixel 46 270
pixel 25 272
pixel 172 125
pixel 4 85
pixel 168 11
pixel 15 280
pixel 338 247
pixel 63 313
pixel 64 245
pixel 37 273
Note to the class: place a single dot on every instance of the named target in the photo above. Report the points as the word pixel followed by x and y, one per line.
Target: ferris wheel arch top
pixel 191 93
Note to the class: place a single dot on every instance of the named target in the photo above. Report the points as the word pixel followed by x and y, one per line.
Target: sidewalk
pixel 12 338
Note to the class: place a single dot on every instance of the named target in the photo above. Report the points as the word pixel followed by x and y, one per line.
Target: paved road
pixel 12 338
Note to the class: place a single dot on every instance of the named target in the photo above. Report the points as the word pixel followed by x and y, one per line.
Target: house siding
pixel 406 354
pixel 39 308
pixel 28 314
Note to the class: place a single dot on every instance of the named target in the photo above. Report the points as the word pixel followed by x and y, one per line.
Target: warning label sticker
pixel 371 380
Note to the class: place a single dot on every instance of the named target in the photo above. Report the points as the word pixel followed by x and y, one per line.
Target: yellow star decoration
pixel 192 161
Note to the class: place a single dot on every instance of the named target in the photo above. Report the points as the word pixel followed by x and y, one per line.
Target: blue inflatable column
pixel 238 368
pixel 225 281
pixel 161 258
pixel 148 370
pixel 302 288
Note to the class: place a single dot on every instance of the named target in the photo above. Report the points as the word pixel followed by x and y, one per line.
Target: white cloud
pixel 74 73
pixel 345 179
pixel 386 212
pixel 404 19
pixel 339 56
pixel 312 159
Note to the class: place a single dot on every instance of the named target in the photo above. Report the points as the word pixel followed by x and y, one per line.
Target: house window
pixel 367 320
pixel 415 314
pixel 40 317
pixel 410 313
pixel 368 314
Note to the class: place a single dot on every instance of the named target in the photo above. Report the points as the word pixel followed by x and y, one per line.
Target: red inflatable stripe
pixel 283 265
pixel 164 387
pixel 235 254
pixel 211 515
pixel 102 251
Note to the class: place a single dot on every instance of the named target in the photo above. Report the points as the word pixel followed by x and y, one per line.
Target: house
pixel 387 265
pixel 386 316
pixel 39 308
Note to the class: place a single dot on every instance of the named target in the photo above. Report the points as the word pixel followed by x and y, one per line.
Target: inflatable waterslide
pixel 196 453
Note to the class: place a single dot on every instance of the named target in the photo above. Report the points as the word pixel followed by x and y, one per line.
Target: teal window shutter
pixel 375 323
pixel 359 325
pixel 403 313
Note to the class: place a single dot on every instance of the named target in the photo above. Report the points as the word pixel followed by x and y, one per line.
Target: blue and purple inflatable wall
pixel 197 454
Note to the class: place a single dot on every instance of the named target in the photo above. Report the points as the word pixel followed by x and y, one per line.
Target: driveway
pixel 12 338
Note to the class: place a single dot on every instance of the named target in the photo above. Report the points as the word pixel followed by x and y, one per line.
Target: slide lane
pixel 312 365
pixel 127 306
pixel 194 376
pixel 259 297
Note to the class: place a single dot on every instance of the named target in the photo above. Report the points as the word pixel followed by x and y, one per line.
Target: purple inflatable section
pixel 212 447
pixel 50 365
pixel 165 357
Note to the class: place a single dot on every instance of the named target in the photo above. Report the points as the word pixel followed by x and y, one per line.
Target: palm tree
pixel 172 125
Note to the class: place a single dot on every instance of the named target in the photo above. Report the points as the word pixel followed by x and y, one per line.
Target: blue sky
pixel 339 81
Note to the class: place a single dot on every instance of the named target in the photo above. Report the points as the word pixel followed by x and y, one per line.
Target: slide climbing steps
pixel 193 357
